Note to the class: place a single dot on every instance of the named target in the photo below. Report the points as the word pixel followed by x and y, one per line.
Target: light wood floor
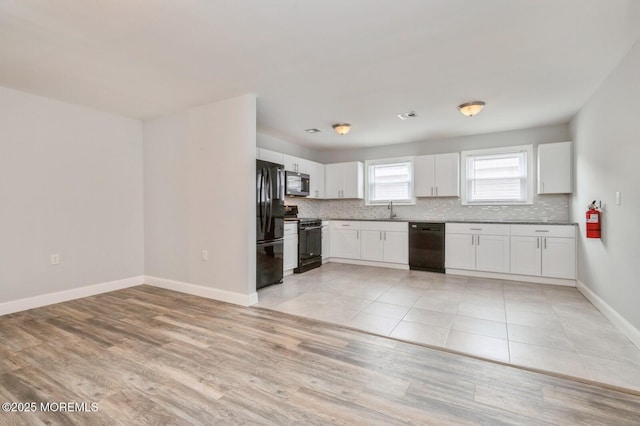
pixel 152 356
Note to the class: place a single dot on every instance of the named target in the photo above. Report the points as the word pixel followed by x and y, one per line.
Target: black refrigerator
pixel 269 222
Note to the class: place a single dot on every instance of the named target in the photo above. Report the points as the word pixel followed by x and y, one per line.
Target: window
pixel 390 180
pixel 497 176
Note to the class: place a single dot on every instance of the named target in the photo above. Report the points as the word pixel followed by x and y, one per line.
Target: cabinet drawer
pixel 291 228
pixel 384 226
pixel 345 224
pixel 477 228
pixel 562 231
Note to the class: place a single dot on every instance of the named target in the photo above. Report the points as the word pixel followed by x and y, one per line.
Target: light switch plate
pixel 617 198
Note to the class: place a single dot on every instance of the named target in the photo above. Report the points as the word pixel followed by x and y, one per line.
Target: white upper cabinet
pixel 344 180
pixel 554 168
pixel 316 179
pixel 294 164
pixel 437 175
pixel 267 155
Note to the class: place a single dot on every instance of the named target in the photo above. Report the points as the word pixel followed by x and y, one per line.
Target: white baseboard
pixel 612 315
pixel 513 277
pixel 369 263
pixel 202 291
pixel 66 295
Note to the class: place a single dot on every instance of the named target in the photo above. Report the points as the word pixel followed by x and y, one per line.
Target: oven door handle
pixel 310 228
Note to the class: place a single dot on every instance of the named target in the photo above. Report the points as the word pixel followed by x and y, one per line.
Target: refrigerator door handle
pixel 270 201
pixel 260 200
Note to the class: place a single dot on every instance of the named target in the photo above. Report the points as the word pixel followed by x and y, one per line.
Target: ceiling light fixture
pixel 342 128
pixel 471 108
pixel 314 130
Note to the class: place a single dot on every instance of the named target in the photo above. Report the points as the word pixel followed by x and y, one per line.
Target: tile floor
pixel 540 326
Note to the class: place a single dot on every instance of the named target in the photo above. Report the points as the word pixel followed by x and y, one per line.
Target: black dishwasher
pixel 426 246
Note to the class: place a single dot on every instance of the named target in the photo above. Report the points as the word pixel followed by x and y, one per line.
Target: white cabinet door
pixel 344 180
pixel 437 175
pixel 396 247
pixel 554 168
pixel 371 246
pixel 447 175
pixel 460 251
pixel 290 260
pixel 333 180
pixel 525 255
pixel 272 156
pixel 492 253
pixel 326 240
pixel 345 243
pixel 316 179
pixel 559 257
pixel 352 180
pixel 423 176
pixel 294 164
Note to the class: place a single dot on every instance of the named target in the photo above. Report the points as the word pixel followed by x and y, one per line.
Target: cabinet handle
pixel 542 230
pixel 476 229
pixel 478 239
pixel 472 239
pixel 538 242
pixel 545 243
pixel 380 235
pixel 385 235
pixel 436 191
pixel 432 191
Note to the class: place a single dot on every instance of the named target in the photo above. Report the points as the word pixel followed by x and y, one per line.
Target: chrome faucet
pixel 390 207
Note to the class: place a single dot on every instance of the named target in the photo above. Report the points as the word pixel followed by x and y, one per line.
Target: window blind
pixel 390 182
pixel 497 178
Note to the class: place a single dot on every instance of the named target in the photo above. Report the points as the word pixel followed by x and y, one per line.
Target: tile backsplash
pixel 545 207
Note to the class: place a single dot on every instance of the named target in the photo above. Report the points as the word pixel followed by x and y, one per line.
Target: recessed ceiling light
pixel 407 115
pixel 314 130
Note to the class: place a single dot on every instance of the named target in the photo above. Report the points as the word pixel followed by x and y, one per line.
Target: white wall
pixel 199 194
pixel 274 143
pixel 606 133
pixel 547 134
pixel 70 183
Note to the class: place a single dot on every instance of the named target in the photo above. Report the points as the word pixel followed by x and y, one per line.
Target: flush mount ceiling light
pixel 342 128
pixel 314 130
pixel 471 108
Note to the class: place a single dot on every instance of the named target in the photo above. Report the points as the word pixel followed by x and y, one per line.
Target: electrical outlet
pixel 205 255
pixel 55 259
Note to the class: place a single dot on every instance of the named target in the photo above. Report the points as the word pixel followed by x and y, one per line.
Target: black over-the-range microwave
pixel 297 184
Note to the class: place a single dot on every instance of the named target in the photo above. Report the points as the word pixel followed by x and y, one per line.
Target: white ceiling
pixel 315 63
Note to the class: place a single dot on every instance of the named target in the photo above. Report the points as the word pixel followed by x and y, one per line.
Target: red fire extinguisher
pixel 593 221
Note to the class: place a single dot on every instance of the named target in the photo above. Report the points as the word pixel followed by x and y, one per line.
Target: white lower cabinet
pixel 290 259
pixel 372 246
pixel 477 247
pixel 396 247
pixel 326 240
pixel 543 250
pixel 371 241
pixel 345 239
pixel 384 242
